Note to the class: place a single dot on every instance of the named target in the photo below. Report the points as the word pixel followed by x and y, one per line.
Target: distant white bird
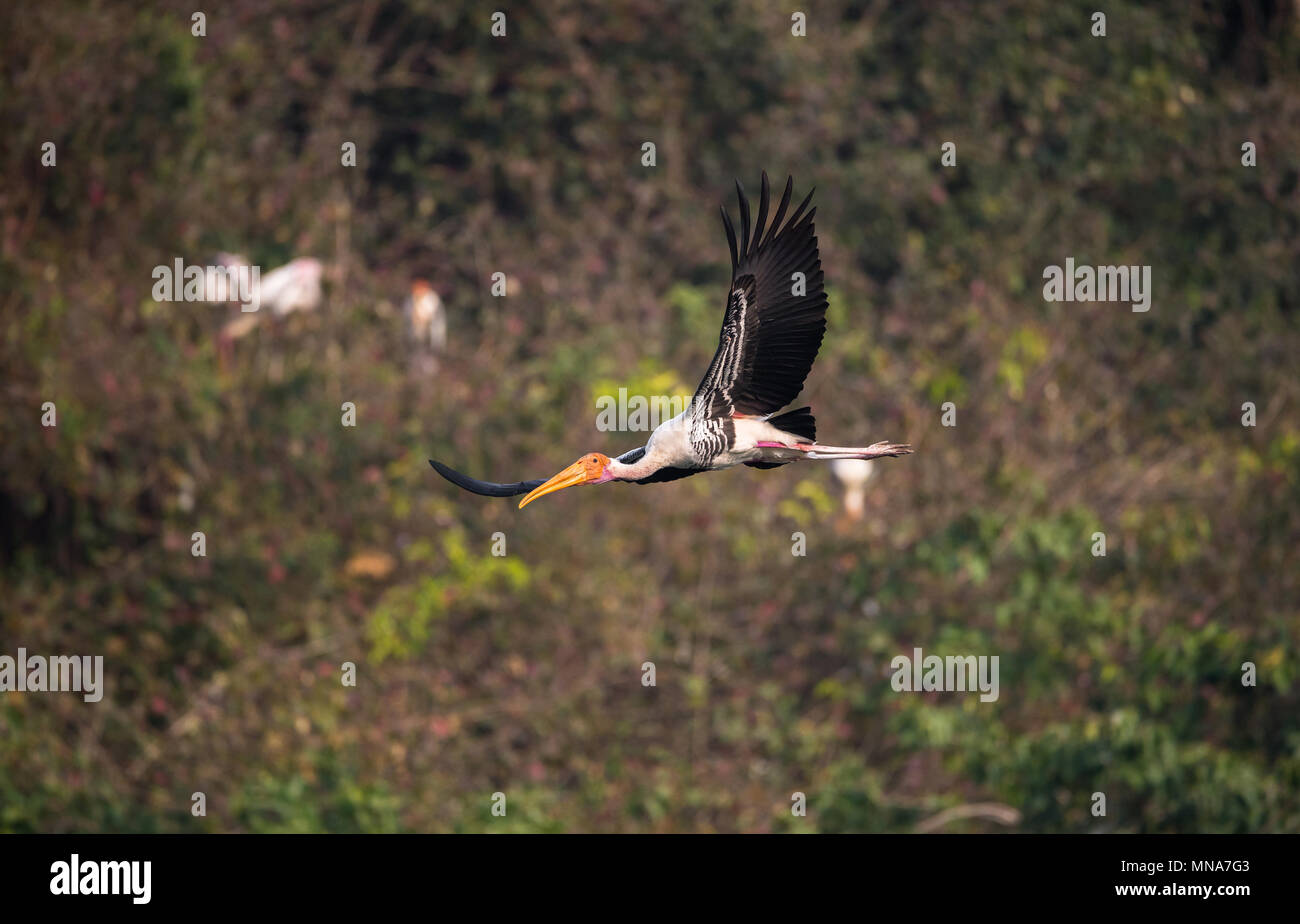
pixel 293 287
pixel 853 474
pixel 296 286
pixel 426 319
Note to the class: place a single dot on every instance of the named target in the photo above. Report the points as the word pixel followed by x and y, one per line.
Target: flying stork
pixel 771 330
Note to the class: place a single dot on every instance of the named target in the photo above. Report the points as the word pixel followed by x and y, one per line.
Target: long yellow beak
pixel 574 474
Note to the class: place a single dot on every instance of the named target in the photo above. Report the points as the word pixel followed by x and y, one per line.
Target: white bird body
pixel 296 286
pixel 293 287
pixel 670 446
pixel 755 440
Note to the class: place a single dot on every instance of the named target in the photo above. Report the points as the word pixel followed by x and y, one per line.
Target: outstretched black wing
pixel 774 320
pixel 664 474
pixel 486 488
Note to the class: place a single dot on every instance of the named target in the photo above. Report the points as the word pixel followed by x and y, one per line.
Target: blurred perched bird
pixel 289 288
pixel 426 319
pixel 296 286
pixel 293 287
pixel 771 332
pixel 853 474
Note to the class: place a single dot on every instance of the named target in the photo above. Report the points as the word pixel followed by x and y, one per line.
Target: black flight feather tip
pixel 731 237
pixel 762 215
pixel 485 488
pixel 780 212
pixel 744 220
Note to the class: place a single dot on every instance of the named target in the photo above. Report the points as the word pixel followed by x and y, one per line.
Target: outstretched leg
pixel 874 451
pixel 818 451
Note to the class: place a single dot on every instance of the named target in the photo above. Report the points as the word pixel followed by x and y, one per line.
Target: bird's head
pixel 593 468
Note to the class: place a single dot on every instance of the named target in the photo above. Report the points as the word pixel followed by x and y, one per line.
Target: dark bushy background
pixel 522 674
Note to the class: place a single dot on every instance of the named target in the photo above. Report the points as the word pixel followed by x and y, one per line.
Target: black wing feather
pixel 762 215
pixel 744 220
pixel 780 212
pixel 485 488
pixel 770 336
pixel 664 474
pixel 670 474
pixel 731 236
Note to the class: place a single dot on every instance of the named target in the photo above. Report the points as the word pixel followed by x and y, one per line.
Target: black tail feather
pixel 800 422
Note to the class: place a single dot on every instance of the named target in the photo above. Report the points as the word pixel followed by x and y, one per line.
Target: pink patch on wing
pixel 769 445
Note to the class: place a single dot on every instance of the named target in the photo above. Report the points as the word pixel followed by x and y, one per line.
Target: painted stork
pixel 772 328
pixel 426 319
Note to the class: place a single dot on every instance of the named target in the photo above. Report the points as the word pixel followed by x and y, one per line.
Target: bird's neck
pixel 633 471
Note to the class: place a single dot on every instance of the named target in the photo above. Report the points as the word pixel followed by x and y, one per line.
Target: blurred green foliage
pixel 522 674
